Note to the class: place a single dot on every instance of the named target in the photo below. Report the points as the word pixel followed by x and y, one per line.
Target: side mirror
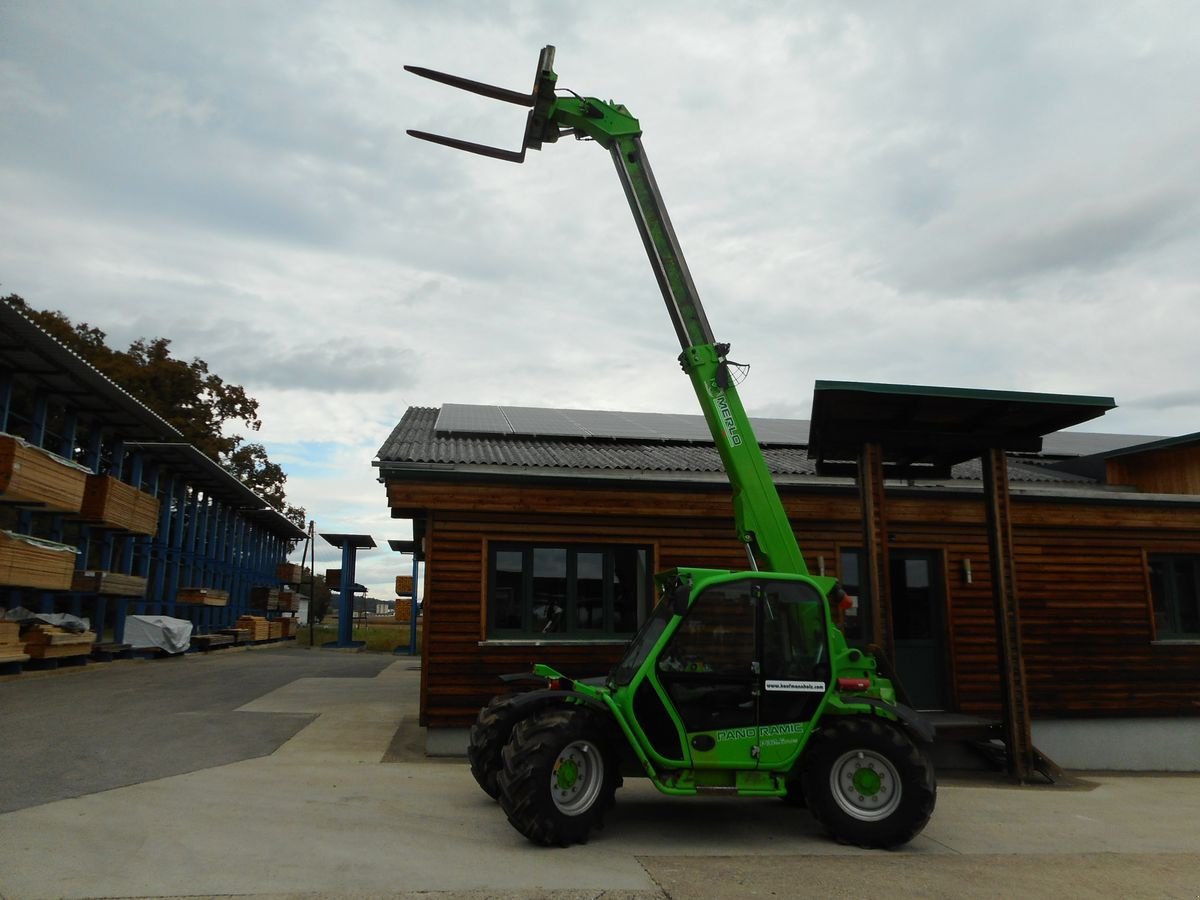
pixel 679 598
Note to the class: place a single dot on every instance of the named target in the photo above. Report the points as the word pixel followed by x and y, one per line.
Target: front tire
pixel 867 783
pixel 489 734
pixel 559 776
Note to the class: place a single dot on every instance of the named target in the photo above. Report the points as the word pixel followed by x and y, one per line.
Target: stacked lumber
pixel 274 599
pixel 287 627
pixel 29 474
pixel 204 596
pixel 289 573
pixel 404 585
pixel 34 563
pixel 12 648
pixel 115 504
pixel 258 626
pixel 264 598
pixel 92 581
pixel 208 642
pixel 274 630
pixel 52 642
pixel 287 601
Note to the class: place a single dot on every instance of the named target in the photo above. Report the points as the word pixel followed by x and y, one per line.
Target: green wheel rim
pixel 576 777
pixel 865 785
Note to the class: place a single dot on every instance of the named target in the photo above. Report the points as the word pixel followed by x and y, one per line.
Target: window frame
pixel 1171 632
pixel 573 633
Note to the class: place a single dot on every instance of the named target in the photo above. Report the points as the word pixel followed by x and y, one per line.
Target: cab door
pixel 709 672
pixel 795 665
pixel 745 669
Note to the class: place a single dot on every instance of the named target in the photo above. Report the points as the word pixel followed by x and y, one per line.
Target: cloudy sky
pixel 994 195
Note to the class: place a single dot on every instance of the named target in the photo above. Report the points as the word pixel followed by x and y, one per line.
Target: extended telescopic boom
pixel 759 516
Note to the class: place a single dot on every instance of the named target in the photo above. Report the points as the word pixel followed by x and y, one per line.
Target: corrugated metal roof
pixel 61 372
pixel 416 442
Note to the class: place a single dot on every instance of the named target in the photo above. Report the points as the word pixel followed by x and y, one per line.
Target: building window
pixel 1175 588
pixel 857 622
pixel 568 591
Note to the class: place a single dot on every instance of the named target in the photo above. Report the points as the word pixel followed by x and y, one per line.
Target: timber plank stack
pixel 34 563
pixel 287 601
pixel 289 573
pixel 274 630
pixel 203 596
pixel 30 475
pixel 274 599
pixel 51 642
pixel 264 598
pixel 113 583
pixel 208 642
pixel 258 626
pixel 287 627
pixel 115 504
pixel 12 648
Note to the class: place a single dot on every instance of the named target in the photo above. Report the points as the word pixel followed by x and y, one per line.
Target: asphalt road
pixel 78 731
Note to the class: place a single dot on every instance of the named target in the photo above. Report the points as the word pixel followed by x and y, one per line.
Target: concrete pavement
pixel 348 806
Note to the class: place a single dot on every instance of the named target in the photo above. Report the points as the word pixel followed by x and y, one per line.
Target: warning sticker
pixel 804 687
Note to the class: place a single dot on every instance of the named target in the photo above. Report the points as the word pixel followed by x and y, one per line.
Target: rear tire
pixel 560 776
pixel 489 734
pixel 867 783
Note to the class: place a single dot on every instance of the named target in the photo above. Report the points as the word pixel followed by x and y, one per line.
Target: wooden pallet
pixel 36 477
pixel 109 651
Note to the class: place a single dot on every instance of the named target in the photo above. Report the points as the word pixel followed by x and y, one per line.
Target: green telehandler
pixel 738 683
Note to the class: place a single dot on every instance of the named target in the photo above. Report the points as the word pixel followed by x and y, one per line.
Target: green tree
pixel 197 402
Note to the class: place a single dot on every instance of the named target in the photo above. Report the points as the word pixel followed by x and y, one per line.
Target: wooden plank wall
pixel 1172 470
pixel 1087 626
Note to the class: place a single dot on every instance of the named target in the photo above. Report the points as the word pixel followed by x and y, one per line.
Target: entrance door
pixel 918 627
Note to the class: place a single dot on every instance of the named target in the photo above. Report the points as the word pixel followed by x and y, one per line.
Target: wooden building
pixel 541 530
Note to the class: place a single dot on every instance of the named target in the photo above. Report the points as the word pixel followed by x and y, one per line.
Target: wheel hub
pixel 566 772
pixel 867 781
pixel 865 785
pixel 577 777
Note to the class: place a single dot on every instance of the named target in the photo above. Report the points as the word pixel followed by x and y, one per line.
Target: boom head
pixel 539 127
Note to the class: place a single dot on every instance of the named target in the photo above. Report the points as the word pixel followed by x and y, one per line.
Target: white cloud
pixel 998 195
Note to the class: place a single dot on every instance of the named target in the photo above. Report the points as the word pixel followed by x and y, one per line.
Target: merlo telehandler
pixel 738 682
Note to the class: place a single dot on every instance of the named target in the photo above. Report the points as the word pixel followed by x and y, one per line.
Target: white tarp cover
pixel 172 635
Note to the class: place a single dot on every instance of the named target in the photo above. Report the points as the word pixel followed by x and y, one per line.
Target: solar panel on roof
pixel 788 432
pixel 532 420
pixel 462 418
pixel 465 418
pixel 603 423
